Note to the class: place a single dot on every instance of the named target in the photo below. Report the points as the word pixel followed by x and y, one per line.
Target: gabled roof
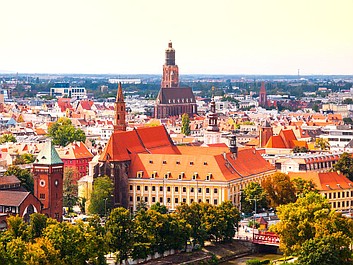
pixel 219 167
pixel 180 95
pixel 12 198
pixel 285 139
pixel 324 181
pixel 75 150
pixel 122 144
pixel 48 155
pixel 9 180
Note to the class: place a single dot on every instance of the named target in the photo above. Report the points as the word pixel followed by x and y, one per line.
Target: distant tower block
pixel 170 70
pixel 263 96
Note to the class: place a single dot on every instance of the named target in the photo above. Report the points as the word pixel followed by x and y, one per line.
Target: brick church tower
pixel 173 100
pixel 120 111
pixel 48 175
pixel 170 70
pixel 265 133
pixel 263 96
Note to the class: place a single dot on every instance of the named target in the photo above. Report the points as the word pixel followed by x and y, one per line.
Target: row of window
pixel 342 204
pixel 169 200
pixel 7 209
pixel 339 194
pixel 176 189
pixel 168 175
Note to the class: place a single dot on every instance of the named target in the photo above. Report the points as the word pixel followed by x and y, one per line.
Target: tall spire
pixel 120 110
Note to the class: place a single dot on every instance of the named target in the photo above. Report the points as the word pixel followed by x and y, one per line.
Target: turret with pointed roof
pixel 120 110
pixel 48 155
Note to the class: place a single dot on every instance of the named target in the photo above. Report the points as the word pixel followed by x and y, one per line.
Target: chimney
pixel 233 146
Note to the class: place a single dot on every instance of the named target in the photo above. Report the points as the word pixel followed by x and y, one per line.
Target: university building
pixel 147 167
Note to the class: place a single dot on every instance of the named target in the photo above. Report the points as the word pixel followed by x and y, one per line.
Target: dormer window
pixel 181 175
pixel 167 175
pixel 164 162
pixel 139 174
pixel 154 175
pixel 209 176
pixel 178 162
pixel 191 163
pixel 195 176
pixel 151 161
pixel 205 163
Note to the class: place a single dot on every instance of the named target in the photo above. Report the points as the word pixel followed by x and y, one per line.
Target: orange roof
pixel 122 144
pixel 324 181
pixel 75 150
pixel 40 131
pixel 202 164
pixel 285 139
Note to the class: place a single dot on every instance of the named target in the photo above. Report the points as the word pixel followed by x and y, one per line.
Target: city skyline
pixel 129 37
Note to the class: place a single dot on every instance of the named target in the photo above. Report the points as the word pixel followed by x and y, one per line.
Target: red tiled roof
pixel 154 140
pixel 86 104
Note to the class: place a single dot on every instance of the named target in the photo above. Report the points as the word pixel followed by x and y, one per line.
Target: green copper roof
pixel 48 155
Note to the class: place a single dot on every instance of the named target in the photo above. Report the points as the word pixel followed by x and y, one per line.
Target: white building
pixel 71 92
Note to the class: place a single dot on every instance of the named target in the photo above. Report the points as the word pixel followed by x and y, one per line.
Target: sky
pixel 210 37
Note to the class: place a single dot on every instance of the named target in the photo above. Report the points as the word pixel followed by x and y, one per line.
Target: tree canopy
pixel 279 189
pixel 101 197
pixel 345 165
pixel 310 229
pixel 7 137
pixel 63 132
pixel 253 191
pixel 24 175
pixel 185 124
pixel 70 189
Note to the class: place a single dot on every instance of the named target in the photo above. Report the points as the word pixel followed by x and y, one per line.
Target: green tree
pixel 37 224
pixel 193 214
pixel 159 208
pixel 326 250
pixel 24 175
pixel 230 214
pixel 253 191
pixel 185 124
pixel 119 229
pixel 70 189
pixel 280 190
pixel 302 186
pixel 24 159
pixel 7 138
pixel 345 165
pixel 309 218
pixel 300 149
pixel 322 143
pixel 77 244
pixel 101 197
pixel 63 132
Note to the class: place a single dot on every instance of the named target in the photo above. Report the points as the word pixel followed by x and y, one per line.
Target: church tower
pixel 265 133
pixel 48 176
pixel 120 111
pixel 170 70
pixel 263 96
pixel 212 134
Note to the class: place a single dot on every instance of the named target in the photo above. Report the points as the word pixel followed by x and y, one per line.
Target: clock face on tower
pixel 56 183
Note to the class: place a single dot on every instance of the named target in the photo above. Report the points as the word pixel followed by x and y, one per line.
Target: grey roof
pixel 179 95
pixel 48 155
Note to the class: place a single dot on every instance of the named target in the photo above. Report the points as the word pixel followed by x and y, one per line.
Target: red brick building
pixel 76 156
pixel 48 172
pixel 15 200
pixel 173 100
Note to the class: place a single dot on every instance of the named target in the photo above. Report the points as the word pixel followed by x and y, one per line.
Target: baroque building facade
pixel 146 167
